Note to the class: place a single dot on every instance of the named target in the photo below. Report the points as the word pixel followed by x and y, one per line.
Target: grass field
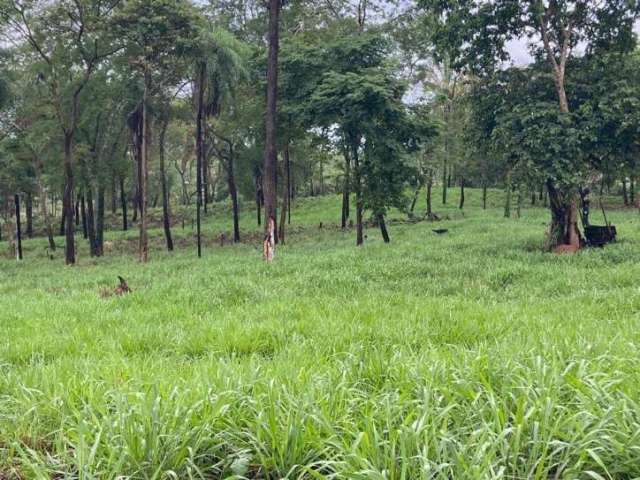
pixel 469 355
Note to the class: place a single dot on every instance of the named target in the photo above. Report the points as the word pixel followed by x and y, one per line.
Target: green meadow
pixel 468 355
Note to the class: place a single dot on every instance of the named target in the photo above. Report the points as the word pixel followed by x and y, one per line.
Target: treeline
pixel 112 108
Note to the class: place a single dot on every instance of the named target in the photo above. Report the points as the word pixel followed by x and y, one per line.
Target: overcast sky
pixel 520 53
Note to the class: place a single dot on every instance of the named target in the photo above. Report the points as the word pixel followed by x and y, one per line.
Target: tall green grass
pixel 469 355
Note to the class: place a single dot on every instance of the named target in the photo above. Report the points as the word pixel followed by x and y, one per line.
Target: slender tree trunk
pixel 383 228
pixel 123 204
pixel 77 210
pixel 67 201
pixel 632 190
pixel 42 193
pixel 507 203
pixel 18 227
pixel 289 194
pixel 233 193
pixel 100 222
pixel 166 221
pixel 114 197
pixel 200 153
pixel 285 194
pixel 444 179
pixel 91 221
pixel 346 189
pixel 625 197
pixel 143 246
pixel 461 206
pixel 519 202
pixel 429 190
pixel 271 154
pixel 414 200
pixel 484 196
pixel 83 212
pixel 258 181
pixel 359 199
pixel 29 208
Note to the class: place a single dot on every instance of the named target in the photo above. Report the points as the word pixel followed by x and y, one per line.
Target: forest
pixel 304 239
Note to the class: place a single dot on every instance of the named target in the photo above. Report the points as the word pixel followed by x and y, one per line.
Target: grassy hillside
pixel 467 355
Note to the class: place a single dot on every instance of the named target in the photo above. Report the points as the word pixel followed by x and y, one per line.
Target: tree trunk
pixel 271 154
pixel 45 217
pixel 484 196
pixel 383 228
pixel 429 189
pixel 123 204
pixel 233 192
pixel 91 222
pixel 77 210
pixel 285 194
pixel 564 226
pixel 346 189
pixel 18 227
pixel 507 203
pixel 29 208
pixel 67 200
pixel 83 212
pixel 100 222
pixel 63 223
pixel 114 197
pixel 461 206
pixel 519 202
pixel 289 193
pixel 143 245
pixel 200 153
pixel 632 190
pixel 444 180
pixel 414 200
pixel 359 199
pixel 625 197
pixel 166 221
pixel 258 181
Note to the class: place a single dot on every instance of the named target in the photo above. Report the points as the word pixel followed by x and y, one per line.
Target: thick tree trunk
pixel 143 245
pixel 564 226
pixel 166 220
pixel 383 228
pixel 18 227
pixel 123 204
pixel 67 200
pixel 29 208
pixel 271 154
pixel 233 193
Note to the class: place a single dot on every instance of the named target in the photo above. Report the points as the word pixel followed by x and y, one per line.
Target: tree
pixel 473 33
pixel 271 118
pixel 69 41
pixel 156 33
